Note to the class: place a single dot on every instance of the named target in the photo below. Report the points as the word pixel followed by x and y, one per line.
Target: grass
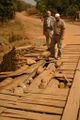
pixel 11 33
pixel 24 30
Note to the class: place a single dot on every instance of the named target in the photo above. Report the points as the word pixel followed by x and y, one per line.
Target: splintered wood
pixel 34 86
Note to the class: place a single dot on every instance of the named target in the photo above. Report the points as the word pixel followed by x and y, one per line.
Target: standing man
pixel 48 23
pixel 56 42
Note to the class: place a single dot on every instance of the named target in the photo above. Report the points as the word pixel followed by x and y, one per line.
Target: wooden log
pixel 29 73
pixel 63 77
pixel 46 76
pixel 32 55
pixel 72 106
pixel 51 89
pixel 18 72
pixel 24 47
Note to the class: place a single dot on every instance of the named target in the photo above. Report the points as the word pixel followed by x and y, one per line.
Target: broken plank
pixel 14 73
pixel 31 71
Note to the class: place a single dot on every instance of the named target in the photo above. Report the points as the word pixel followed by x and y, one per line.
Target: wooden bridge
pixel 43 89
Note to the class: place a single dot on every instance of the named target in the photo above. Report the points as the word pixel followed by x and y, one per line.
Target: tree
pixel 61 6
pixel 7 9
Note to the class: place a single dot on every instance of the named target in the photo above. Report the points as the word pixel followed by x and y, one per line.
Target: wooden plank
pixel 2 109
pixel 72 106
pixel 5 82
pixel 34 95
pixel 31 107
pixel 70 67
pixel 10 118
pixel 54 103
pixel 37 101
pixel 30 115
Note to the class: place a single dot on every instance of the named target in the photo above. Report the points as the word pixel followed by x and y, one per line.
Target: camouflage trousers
pixel 56 46
pixel 48 34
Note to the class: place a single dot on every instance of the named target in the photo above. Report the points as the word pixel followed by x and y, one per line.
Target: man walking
pixel 48 23
pixel 56 42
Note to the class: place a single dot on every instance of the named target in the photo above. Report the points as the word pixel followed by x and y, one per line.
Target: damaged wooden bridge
pixel 34 86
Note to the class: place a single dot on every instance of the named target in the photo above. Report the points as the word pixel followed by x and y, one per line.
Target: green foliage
pixel 21 5
pixel 41 6
pixel 71 10
pixel 65 7
pixel 7 9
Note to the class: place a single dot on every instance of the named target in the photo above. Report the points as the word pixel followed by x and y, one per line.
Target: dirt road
pixel 72 33
pixel 33 30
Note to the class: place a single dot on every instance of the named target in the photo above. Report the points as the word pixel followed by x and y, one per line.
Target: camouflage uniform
pixel 59 27
pixel 48 29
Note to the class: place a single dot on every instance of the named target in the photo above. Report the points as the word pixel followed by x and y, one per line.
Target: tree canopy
pixel 9 7
pixel 65 7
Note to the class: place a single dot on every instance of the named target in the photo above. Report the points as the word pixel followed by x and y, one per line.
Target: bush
pixel 71 10
pixel 32 11
pixel 7 10
pixel 14 37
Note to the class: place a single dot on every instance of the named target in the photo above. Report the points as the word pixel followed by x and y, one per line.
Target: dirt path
pixel 33 30
pixel 72 34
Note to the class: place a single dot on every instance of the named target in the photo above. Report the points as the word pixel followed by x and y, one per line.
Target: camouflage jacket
pixel 48 23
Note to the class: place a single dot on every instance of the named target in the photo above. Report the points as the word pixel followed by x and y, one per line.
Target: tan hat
pixel 57 15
